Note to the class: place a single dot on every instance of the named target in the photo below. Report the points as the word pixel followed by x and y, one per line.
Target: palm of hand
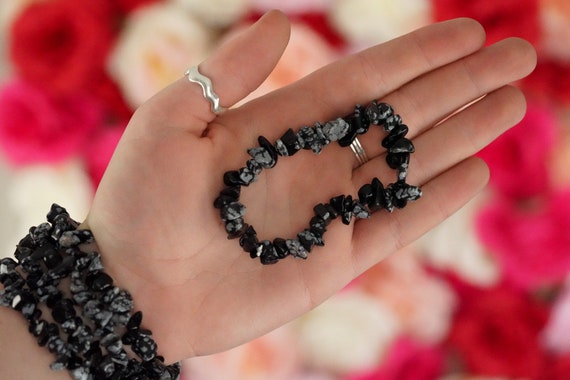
pixel 163 240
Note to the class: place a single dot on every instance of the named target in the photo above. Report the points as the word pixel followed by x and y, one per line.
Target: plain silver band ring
pixel 194 76
pixel 359 152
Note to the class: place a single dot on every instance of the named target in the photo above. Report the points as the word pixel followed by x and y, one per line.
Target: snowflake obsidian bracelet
pixel 371 196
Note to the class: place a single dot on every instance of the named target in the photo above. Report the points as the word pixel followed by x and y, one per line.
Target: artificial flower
pixel 368 22
pixel 453 246
pixel 61 44
pixel 555 23
pixel 501 19
pixel 496 333
pixel 550 81
pixel 267 357
pixel 37 127
pixel 518 159
pixel 292 7
pixel 557 330
pixel 407 360
pixel 530 240
pixel 305 53
pixel 32 190
pixel 157 44
pixel 422 303
pixel 98 152
pixel 349 332
pixel 216 13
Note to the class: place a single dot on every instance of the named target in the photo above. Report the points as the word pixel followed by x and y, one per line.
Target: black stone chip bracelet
pixel 91 320
pixel 371 196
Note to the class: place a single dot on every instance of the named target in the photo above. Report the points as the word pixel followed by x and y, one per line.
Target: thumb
pixel 236 68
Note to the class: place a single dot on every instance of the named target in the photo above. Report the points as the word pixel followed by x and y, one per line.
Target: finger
pixel 432 97
pixel 459 137
pixel 443 196
pixel 237 68
pixel 371 74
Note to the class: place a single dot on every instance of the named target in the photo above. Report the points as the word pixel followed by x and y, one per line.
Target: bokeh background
pixel 484 296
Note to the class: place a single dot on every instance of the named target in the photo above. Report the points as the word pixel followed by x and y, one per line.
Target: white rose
pixel 349 332
pixel 453 245
pixel 367 22
pixel 292 6
pixel 216 13
pixel 156 46
pixel 32 190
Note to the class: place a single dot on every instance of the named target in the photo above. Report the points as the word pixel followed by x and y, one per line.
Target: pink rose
pixel 99 151
pixel 38 127
pixel 407 360
pixel 530 240
pixel 518 159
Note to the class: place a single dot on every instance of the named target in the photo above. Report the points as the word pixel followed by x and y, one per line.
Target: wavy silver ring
pixel 196 77
pixel 359 152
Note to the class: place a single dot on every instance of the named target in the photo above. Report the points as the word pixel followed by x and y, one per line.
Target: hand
pixel 162 239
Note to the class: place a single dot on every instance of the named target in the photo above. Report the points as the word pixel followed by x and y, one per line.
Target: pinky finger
pixel 442 196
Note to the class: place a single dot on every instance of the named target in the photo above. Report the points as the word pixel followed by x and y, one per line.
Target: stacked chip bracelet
pixel 371 197
pixel 91 321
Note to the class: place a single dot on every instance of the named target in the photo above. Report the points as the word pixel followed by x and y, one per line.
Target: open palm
pixel 153 215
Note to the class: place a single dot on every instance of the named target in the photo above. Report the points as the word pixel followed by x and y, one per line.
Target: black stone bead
pixel 395 160
pixel 347 213
pixel 36 327
pixel 296 249
pixel 397 133
pixel 232 211
pixel 62 270
pixel 41 234
pixel 308 136
pixel 264 143
pixel 377 113
pixel 348 137
pixel 99 281
pixel 324 213
pixel 365 194
pixel 52 258
pixel 144 347
pixel 402 145
pixel 359 210
pixel 253 167
pixel 7 265
pixel 265 155
pixel 332 211
pixel 235 228
pixel 338 204
pixel 76 237
pixel 317 226
pixel 122 301
pixel 379 199
pixel 308 239
pixel 248 241
pixel 232 191
pixel 289 140
pixel 55 210
pixel 268 253
pixel 63 310
pixel 280 246
pixel 392 122
pixel 388 199
pixel 223 200
pixel 232 178
pixel 135 321
pixel 335 130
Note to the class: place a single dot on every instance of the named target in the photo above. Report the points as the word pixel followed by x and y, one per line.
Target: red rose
pixel 518 158
pixel 61 44
pixel 501 19
pixel 556 368
pixel 496 333
pixel 37 127
pixel 550 80
pixel 407 360
pixel 531 241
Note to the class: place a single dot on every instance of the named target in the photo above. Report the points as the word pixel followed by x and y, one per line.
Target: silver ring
pixel 194 76
pixel 359 152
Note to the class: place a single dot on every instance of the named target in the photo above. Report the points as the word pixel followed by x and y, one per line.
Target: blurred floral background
pixel 484 296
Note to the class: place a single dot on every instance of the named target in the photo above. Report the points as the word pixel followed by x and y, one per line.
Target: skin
pixel 161 238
